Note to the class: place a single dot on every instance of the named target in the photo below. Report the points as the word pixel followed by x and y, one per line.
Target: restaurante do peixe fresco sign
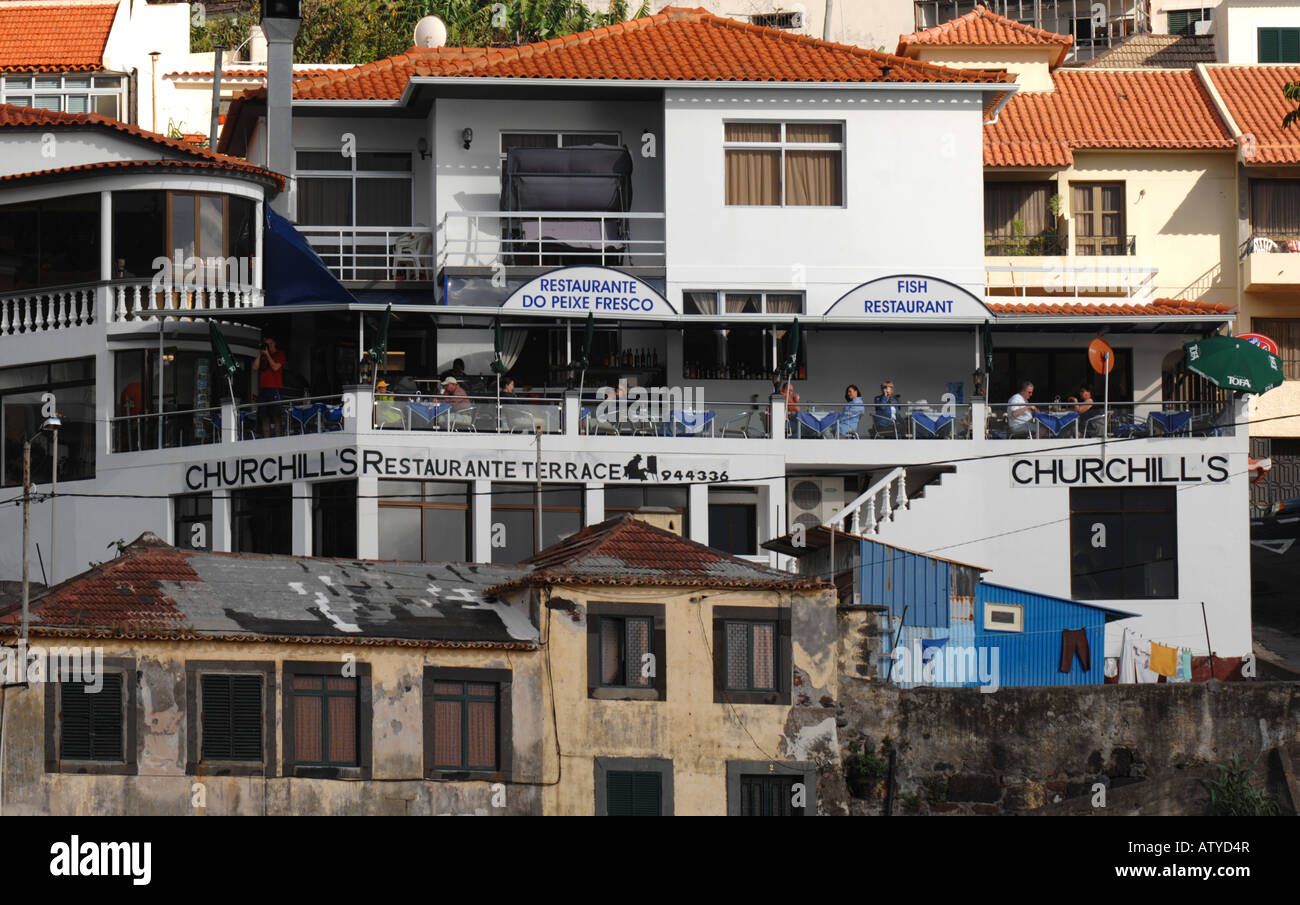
pixel 351 462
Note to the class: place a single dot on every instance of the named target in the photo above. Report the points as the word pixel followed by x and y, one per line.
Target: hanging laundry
pixel 1111 668
pixel 1164 660
pixel 1184 666
pixel 1074 642
pixel 1135 659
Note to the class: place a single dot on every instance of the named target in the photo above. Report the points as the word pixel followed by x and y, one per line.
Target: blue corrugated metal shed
pixel 900 578
pixel 1033 656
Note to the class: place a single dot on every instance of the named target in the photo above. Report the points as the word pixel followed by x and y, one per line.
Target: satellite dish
pixel 430 32
pixel 1101 356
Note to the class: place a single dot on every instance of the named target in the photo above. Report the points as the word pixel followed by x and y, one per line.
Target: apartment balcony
pixel 61 309
pixel 1096 26
pixel 477 240
pixel 1270 262
pixel 1044 265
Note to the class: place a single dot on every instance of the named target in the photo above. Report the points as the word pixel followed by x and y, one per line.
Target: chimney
pixel 280 21
pixel 256 46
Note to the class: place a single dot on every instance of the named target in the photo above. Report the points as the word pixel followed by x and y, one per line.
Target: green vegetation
pixel 1232 792
pixel 359 31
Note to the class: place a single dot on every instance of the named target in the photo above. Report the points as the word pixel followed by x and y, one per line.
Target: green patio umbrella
pixel 498 342
pixel 585 361
pixel 221 352
pixel 1234 364
pixel 792 340
pixel 379 351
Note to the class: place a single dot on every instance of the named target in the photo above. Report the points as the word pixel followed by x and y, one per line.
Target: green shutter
pixel 1268 46
pixel 633 794
pixel 1179 22
pixel 1289 45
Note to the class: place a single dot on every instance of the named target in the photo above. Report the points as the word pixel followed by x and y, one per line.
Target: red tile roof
pixel 1253 96
pixel 252 72
pixel 628 551
pixel 12 117
pixel 1105 110
pixel 1153 308
pixel 42 38
pixel 188 165
pixel 984 28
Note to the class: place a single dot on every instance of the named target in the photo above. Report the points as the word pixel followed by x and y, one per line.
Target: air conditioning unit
pixel 811 500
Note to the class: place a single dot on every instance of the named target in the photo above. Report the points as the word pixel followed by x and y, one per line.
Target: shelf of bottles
pixel 642 363
pixel 710 370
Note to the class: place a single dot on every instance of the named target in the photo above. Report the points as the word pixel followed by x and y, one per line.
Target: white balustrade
pixel 42 311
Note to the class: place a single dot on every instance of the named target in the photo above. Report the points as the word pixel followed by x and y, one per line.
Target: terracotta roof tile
pixel 628 551
pixel 983 28
pixel 1153 308
pixel 1253 96
pixel 1156 52
pixel 1103 110
pixel 13 117
pixel 43 38
pixel 189 165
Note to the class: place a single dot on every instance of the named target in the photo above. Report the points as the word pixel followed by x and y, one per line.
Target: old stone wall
pixel 1042 750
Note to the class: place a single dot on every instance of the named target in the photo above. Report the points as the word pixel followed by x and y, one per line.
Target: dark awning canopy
pixel 588 178
pixel 292 272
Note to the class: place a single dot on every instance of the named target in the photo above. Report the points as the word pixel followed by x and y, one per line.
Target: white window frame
pixel 353 174
pixel 719 302
pixel 12 92
pixel 1017 610
pixel 782 145
pixel 557 134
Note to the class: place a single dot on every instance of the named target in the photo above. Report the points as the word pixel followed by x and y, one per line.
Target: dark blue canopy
pixel 292 272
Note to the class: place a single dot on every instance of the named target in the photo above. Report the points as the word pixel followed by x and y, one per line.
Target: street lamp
pixel 52 423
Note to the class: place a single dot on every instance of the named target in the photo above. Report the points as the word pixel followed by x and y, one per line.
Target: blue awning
pixel 292 272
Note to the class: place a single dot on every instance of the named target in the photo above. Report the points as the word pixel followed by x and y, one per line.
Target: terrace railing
pixel 374 253
pixel 165 430
pixel 552 238
pixel 42 310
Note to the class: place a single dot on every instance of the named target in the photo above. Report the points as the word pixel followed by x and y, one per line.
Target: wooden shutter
pixel 633 794
pixel 232 717
pixel 91 724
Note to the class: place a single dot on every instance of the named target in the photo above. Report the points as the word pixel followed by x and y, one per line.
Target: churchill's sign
pixel 601 291
pixel 1096 471
pixel 351 462
pixel 909 298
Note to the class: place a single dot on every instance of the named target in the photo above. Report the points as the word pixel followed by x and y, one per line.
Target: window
pixel 733 521
pixel 625 652
pixel 65 94
pixel 424 521
pixel 192 521
pixel 784 164
pixel 622 499
pixel 1285 331
pixel 1082 29
pixel 1124 543
pixel 467 722
pixel 751 655
pixel 261 520
pixel 230 730
pixel 1057 373
pixel 53 242
pixel 90 727
pixel 1183 21
pixel 514 513
pixel 1275 208
pixel 73 384
pixel 327 718
pixel 1004 617
pixel 771 788
pixel 1098 212
pixel 556 140
pixel 1018 219
pixel 334 519
pixel 736 350
pixel 1279 45
pixel 633 787
pixel 150 224
pixel 367 189
pixel 712 302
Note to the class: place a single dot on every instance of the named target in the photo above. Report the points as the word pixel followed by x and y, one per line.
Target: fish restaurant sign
pixel 909 298
pixel 1095 471
pixel 602 291
pixel 350 462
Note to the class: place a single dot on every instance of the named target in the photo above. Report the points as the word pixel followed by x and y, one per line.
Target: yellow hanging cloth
pixel 1164 660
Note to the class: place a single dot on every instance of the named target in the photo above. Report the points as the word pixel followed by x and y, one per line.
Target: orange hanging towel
pixel 1164 660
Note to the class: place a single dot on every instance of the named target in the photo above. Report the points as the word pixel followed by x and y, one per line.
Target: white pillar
pixel 367 517
pixel 593 504
pixel 698 506
pixel 221 521
pixel 302 527
pixel 481 521
pixel 776 416
pixel 572 410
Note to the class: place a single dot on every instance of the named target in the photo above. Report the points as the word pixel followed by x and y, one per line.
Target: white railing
pixel 144 301
pixel 42 310
pixel 547 238
pixel 880 501
pixel 1102 275
pixel 374 253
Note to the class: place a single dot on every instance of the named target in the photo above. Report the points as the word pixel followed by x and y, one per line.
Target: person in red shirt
pixel 269 368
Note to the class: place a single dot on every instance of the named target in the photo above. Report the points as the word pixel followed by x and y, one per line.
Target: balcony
pixel 1042 265
pixel 485 239
pixel 371 254
pixel 1270 261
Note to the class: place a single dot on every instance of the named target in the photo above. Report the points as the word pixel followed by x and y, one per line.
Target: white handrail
pixel 868 498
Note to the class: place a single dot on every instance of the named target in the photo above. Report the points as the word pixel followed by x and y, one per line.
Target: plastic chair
pixel 1262 245
pixel 410 251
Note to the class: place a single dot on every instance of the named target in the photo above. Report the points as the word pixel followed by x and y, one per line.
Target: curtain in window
pixel 807 133
pixel 343 728
pixel 742 303
pixel 753 132
pixel 1006 202
pixel 306 722
pixel 752 177
pixel 812 178
pixel 764 646
pixel 638 645
pixel 383 202
pixel 1285 331
pixel 610 642
pixel 482 728
pixel 1275 207
pixel 784 304
pixel 325 202
pixel 512 343
pixel 701 302
pixel 446 731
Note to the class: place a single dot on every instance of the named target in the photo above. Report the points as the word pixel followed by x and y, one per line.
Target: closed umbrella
pixel 221 352
pixel 1234 364
pixel 585 361
pixel 379 351
pixel 792 340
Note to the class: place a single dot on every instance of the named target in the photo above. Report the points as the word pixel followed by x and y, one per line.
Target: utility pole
pixel 538 493
pixel 27 530
pixel 54 489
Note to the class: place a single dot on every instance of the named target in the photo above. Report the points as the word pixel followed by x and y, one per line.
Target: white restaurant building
pixel 767 178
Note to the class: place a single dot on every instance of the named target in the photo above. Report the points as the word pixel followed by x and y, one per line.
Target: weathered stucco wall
pixel 1042 749
pixel 162 785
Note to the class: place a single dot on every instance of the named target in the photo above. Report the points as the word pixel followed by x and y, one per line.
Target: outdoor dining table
pixel 429 411
pixel 817 422
pixel 1057 423
pixel 1171 422
pixel 305 414
pixel 930 422
pixel 692 423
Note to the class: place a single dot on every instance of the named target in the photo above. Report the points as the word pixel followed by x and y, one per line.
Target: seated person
pixel 388 412
pixel 791 407
pixel 887 411
pixel 1020 414
pixel 1085 402
pixel 459 398
pixel 851 414
pixel 457 371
